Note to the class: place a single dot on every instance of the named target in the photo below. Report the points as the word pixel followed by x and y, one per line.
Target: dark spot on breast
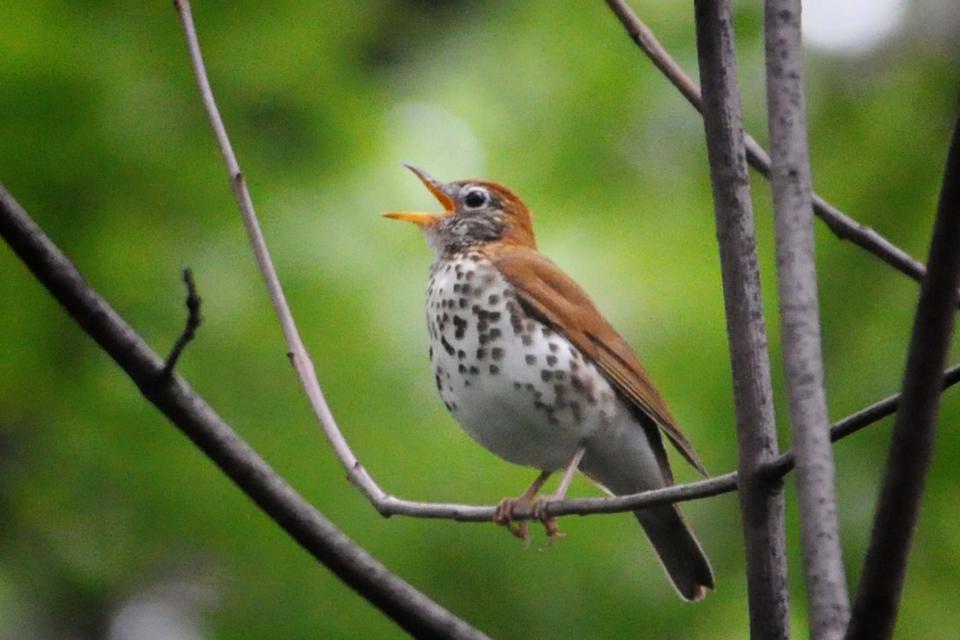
pixel 547 332
pixel 447 346
pixel 494 316
pixel 552 360
pixel 497 353
pixel 546 375
pixel 494 369
pixel 462 368
pixel 553 347
pixel 465 288
pixel 531 359
pixel 456 288
pixel 526 339
pixel 463 303
pixel 482 325
pixel 493 299
pixel 474 370
pixel 517 385
pixel 436 378
pixel 461 354
pixel 576 411
pixel 495 333
pixel 560 375
pixel 574 365
pixel 481 354
pixel 470 275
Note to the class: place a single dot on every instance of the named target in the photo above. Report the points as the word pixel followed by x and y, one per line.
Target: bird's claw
pixel 504 517
pixel 538 511
pixel 520 529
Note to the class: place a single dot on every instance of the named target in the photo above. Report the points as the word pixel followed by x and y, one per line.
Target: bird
pixel 531 370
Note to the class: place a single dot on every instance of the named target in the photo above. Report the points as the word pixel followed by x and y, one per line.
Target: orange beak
pixel 435 187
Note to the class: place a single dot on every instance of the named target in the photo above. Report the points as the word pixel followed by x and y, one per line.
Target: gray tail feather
pixel 679 551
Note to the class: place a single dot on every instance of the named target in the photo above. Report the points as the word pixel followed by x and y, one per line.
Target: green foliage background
pixel 105 143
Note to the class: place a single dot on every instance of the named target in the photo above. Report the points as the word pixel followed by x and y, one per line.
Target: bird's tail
pixel 626 461
pixel 679 551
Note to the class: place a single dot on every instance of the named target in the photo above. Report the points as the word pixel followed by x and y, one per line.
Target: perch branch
pixel 914 430
pixel 761 501
pixel 828 603
pixel 193 323
pixel 844 227
pixel 198 421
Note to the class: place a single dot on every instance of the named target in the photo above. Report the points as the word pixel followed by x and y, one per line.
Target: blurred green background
pixel 113 525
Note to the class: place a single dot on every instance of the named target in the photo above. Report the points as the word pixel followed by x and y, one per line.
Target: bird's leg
pixel 504 513
pixel 550 522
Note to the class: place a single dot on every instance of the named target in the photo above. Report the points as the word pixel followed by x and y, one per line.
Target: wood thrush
pixel 532 371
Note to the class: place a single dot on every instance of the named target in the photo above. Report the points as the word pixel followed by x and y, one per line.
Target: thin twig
pixel 191 414
pixel 189 330
pixel 828 603
pixel 761 501
pixel 296 350
pixel 844 227
pixel 911 448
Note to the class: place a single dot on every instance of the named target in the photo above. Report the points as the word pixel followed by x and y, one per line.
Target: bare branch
pixel 189 412
pixel 911 448
pixel 193 323
pixel 828 603
pixel 297 352
pixel 761 501
pixel 844 227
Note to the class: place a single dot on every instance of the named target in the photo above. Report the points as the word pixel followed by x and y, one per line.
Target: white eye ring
pixel 475 198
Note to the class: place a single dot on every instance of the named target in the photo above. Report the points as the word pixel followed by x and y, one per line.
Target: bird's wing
pixel 554 298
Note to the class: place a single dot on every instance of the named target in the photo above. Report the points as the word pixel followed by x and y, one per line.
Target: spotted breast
pixel 516 386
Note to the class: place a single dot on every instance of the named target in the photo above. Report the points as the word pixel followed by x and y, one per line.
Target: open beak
pixel 437 189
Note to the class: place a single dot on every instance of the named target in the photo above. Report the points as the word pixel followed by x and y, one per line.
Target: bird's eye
pixel 475 198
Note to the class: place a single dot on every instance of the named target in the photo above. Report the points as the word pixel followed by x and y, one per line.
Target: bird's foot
pixel 504 516
pixel 538 511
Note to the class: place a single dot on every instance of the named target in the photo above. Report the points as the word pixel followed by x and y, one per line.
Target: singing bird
pixel 533 372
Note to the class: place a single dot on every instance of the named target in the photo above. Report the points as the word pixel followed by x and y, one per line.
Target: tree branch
pixel 189 412
pixel 299 357
pixel 911 448
pixel 190 329
pixel 761 501
pixel 828 603
pixel 844 227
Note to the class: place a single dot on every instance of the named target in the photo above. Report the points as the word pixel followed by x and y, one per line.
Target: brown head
pixel 476 212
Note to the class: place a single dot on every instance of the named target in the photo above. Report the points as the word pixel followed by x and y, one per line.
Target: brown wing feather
pixel 557 300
